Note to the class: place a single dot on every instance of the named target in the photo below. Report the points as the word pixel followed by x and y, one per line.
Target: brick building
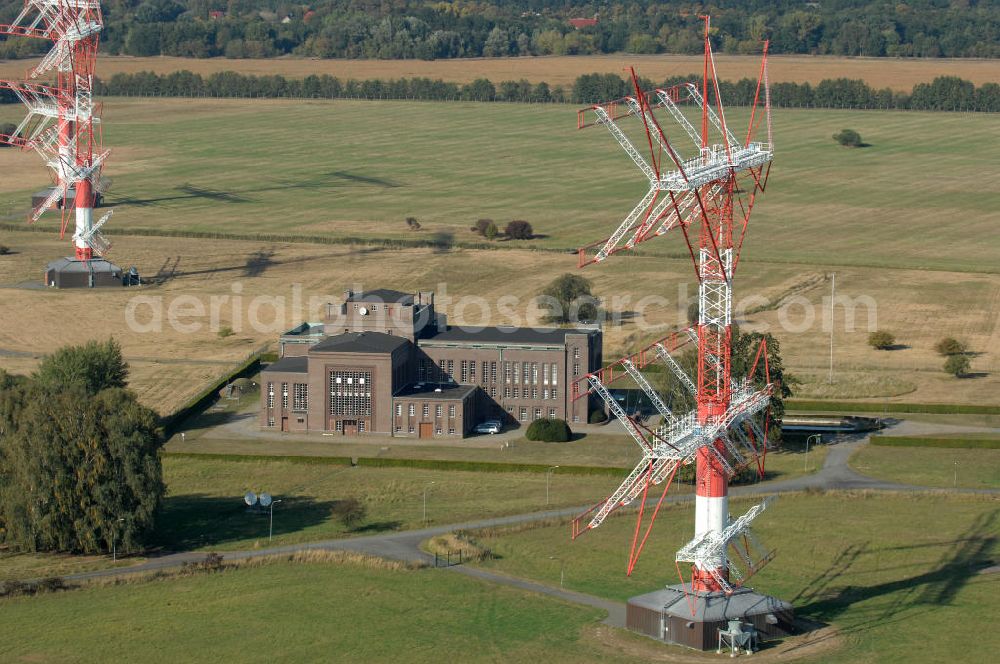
pixel 384 362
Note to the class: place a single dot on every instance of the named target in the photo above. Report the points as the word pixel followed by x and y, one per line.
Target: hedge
pixel 930 441
pixel 802 405
pixel 425 464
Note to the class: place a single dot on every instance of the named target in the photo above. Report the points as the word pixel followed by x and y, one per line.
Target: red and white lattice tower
pixel 63 123
pixel 709 196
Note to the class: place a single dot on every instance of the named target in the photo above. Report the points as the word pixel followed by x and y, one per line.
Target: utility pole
pixel 833 291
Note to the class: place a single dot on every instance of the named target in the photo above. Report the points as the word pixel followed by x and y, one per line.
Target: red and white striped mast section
pixel 715 192
pixel 63 123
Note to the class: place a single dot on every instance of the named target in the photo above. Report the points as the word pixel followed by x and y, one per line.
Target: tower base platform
pixel 694 621
pixel 95 273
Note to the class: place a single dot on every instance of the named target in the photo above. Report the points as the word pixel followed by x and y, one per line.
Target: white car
pixel 489 426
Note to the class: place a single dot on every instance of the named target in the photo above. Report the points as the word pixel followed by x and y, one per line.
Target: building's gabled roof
pixel 359 342
pixel 382 296
pixel 290 365
pixel 509 335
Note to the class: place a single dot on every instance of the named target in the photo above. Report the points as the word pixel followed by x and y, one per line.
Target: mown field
pixel 899 576
pixel 907 222
pixel 943 468
pixel 345 168
pixel 896 73
pixel 299 612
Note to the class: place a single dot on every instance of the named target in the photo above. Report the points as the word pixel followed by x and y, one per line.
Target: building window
pixel 534 393
pixel 552 413
pixel 338 426
pixel 451 410
pixel 526 370
pixel 517 374
pixel 270 421
pixel 361 426
pixel 284 396
pixel 555 372
pixel 451 431
pixel 506 372
pixel 545 373
pixel 523 414
pixel 493 391
pixel 411 429
pixel 517 394
pixel 437 410
pixel 412 410
pixel 465 371
pixel 485 374
pixel 351 393
pixel 438 431
pixel 576 390
pixel 399 429
pixel 472 371
pixel 506 392
pixel 442 370
pixel 545 393
pixel 300 396
pixel 554 393
pixel 399 409
pixel 270 395
pixel 451 371
pixel 493 372
pixel 426 411
pixel 534 373
pixel 538 413
pixel 576 418
pixel 576 353
pixel 576 368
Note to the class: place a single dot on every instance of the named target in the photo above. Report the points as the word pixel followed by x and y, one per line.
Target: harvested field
pixel 896 73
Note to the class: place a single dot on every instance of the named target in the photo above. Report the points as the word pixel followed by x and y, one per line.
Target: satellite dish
pixel 251 498
pixel 265 499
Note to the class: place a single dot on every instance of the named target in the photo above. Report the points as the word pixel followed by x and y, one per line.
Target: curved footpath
pixel 835 474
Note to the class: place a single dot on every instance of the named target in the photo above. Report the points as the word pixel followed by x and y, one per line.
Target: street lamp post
pixel 805 461
pixel 114 540
pixel 562 569
pixel 425 500
pixel 548 476
pixel 270 528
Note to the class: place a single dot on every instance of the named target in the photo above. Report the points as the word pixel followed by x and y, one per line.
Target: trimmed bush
pixel 519 230
pixel 549 431
pixel 881 340
pixel 957 365
pixel 597 416
pixel 949 346
pixel 848 138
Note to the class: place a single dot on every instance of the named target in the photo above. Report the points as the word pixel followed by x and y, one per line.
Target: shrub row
pixel 944 93
pixel 930 441
pixel 804 405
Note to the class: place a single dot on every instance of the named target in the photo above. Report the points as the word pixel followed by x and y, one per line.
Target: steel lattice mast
pixel 711 193
pixel 62 123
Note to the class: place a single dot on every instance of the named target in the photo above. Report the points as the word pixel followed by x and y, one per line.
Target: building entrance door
pixel 426 429
pixel 284 424
pixel 350 427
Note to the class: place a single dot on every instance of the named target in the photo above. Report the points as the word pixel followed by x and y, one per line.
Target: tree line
pixel 490 28
pixel 945 93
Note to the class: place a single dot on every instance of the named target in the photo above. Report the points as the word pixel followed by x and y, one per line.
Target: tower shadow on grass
pixel 195 520
pixel 917 594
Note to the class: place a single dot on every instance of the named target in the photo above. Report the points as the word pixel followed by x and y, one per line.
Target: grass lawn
pixel 39 565
pixel 297 612
pixel 897 574
pixel 204 507
pixel 976 469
